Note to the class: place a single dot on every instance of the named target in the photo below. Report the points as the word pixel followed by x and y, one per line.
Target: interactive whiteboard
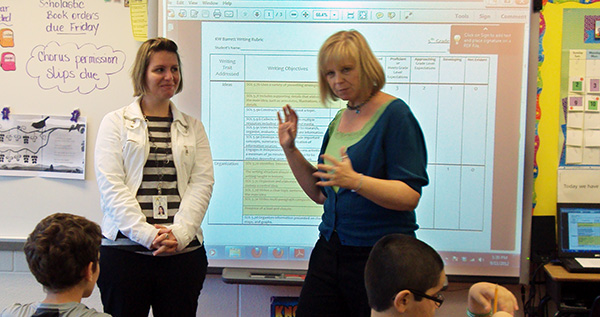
pixel 461 66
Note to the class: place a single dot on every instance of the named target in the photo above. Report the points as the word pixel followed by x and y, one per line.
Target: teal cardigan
pixel 393 149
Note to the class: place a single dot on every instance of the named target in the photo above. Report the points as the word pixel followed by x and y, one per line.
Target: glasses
pixel 438 298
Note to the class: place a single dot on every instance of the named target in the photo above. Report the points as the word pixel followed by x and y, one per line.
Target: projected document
pixel 256 73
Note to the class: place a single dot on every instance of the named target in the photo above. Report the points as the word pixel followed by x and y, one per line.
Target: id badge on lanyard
pixel 159 207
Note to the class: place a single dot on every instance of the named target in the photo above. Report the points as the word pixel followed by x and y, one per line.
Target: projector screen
pixel 461 66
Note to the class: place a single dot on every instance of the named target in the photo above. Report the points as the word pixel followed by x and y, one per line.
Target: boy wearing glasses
pixel 404 277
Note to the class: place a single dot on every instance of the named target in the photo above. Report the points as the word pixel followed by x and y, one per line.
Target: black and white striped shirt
pixel 159 170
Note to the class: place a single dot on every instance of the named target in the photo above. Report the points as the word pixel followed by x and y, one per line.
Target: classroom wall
pixel 28 90
pixel 548 111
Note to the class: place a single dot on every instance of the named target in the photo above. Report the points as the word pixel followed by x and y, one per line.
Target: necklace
pixel 357 107
pixel 165 160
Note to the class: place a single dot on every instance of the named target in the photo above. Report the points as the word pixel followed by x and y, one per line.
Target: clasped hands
pixel 165 241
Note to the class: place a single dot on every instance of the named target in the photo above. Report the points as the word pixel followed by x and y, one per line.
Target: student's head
pixel 142 60
pixel 351 48
pixel 62 252
pixel 399 271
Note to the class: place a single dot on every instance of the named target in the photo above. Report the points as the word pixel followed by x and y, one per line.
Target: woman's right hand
pixel 288 128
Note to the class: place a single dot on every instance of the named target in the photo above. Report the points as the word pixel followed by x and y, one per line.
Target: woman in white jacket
pixel 152 158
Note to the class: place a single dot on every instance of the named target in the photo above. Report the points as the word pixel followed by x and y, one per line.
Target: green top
pixel 339 139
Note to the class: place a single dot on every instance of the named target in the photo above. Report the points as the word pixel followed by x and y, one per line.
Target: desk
pixel 573 293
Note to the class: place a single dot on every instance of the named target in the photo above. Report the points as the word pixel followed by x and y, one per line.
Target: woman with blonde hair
pixel 371 169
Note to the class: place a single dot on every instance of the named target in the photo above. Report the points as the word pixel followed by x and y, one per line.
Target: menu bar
pixel 346 15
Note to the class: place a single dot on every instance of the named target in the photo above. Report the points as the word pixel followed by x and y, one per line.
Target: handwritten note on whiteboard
pixel 70 67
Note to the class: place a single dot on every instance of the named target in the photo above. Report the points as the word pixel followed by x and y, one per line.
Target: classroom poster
pixel 139 19
pixel 42 145
pixel 283 306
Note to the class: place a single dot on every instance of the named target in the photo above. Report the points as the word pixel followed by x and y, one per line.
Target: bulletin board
pixel 580 87
pixel 550 181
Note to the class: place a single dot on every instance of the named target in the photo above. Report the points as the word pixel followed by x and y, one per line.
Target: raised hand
pixel 288 128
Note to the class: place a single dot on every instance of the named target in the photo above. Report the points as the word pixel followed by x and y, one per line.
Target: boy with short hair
pixel 404 277
pixel 62 253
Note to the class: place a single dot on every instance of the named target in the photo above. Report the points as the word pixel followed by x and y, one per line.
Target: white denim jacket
pixel 122 148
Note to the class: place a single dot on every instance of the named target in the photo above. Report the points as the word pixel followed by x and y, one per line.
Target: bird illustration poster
pixel 42 146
